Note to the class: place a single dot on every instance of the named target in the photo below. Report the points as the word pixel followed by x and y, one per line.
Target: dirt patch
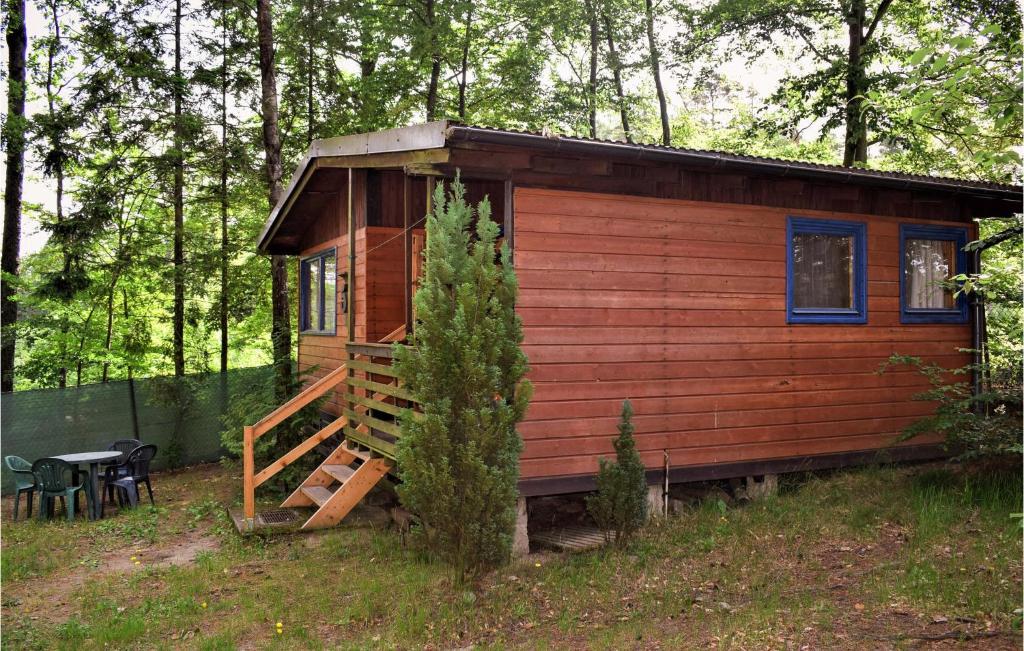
pixel 181 552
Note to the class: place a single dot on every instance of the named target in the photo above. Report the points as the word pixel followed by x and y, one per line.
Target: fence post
pixel 135 411
pixel 248 470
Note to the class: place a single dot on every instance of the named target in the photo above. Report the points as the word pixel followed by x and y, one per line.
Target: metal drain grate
pixel 277 516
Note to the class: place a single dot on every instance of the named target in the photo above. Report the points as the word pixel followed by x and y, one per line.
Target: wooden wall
pixel 680 307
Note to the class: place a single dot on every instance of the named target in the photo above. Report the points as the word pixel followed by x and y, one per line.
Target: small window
pixel 318 297
pixel 826 271
pixel 930 257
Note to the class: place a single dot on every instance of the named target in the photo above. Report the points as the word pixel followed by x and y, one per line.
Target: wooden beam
pixel 407 253
pixel 370 350
pixel 351 321
pixel 386 160
pixel 248 467
pixel 366 439
pixel 302 448
pixel 386 389
pixel 378 369
pixel 509 226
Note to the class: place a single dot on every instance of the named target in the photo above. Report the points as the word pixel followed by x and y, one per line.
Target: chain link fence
pixel 182 416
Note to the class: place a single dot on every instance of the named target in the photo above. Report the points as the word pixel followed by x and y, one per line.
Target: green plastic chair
pixel 52 482
pixel 24 481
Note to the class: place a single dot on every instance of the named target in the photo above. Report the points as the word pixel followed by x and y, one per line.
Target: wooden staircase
pixel 359 461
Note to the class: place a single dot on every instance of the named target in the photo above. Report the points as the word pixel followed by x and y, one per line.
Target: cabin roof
pixel 413 145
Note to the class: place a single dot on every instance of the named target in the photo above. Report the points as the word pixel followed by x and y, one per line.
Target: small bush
pixel 980 425
pixel 620 505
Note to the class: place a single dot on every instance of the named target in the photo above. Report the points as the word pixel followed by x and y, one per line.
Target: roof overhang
pixel 422 143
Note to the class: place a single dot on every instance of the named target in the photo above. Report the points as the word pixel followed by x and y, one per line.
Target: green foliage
pixel 251 403
pixel 459 463
pixel 620 505
pixel 179 395
pixel 986 424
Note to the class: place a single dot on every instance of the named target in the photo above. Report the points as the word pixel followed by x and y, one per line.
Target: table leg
pixel 94 480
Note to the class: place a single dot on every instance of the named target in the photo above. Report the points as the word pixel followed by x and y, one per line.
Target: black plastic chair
pixel 136 471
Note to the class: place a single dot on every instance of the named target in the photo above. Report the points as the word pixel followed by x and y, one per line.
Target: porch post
pixel 351 263
pixel 407 244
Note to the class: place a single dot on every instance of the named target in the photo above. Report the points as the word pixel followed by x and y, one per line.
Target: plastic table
pixel 93 459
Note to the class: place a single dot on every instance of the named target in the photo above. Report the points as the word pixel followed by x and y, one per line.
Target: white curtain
pixel 927 265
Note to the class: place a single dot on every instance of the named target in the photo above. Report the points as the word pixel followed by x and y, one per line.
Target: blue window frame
pixel 318 286
pixel 929 256
pixel 826 271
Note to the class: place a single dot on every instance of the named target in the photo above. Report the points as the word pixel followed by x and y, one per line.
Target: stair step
pixel 339 472
pixel 318 494
pixel 351 448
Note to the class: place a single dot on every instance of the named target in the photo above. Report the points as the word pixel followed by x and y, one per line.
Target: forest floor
pixel 906 557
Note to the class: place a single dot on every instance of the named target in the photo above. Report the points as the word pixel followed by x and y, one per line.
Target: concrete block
pixel 655 501
pixel 521 537
pixel 768 485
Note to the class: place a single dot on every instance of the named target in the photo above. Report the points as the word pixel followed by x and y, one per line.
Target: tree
pixel 14 141
pixel 836 89
pixel 460 461
pixel 620 505
pixel 178 156
pixel 281 331
pixel 655 61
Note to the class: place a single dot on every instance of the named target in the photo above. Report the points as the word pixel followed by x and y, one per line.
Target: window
pixel 318 292
pixel 826 279
pixel 930 256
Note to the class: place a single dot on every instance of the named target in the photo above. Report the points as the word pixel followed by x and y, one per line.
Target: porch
pixel 359 442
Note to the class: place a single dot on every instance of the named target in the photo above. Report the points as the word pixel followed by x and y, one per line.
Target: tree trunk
pixel 592 84
pixel 281 328
pixel 855 143
pixel 224 193
pixel 465 63
pixel 435 62
pixel 14 133
pixel 57 148
pixel 310 115
pixel 617 75
pixel 179 204
pixel 652 43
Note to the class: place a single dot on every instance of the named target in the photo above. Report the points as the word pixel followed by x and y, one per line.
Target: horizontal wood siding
pixel 680 307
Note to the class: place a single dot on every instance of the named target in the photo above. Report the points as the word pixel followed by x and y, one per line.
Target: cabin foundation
pixel 521 537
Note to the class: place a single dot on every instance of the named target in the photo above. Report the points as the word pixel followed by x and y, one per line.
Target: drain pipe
pixel 977 328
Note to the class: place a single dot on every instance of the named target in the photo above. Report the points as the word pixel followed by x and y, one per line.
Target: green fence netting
pixel 182 417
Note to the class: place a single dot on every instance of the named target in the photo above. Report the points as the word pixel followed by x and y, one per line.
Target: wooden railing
pixel 359 413
pixel 380 393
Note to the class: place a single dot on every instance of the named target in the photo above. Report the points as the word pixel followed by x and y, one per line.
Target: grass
pixel 860 558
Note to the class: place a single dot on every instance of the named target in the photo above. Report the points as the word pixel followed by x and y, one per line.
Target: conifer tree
pixel 620 505
pixel 459 463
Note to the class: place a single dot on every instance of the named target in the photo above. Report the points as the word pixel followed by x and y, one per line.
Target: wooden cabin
pixel 742 304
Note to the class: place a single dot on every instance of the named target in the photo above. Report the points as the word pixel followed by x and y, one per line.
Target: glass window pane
pixel 313 295
pixel 822 271
pixel 330 297
pixel 926 265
